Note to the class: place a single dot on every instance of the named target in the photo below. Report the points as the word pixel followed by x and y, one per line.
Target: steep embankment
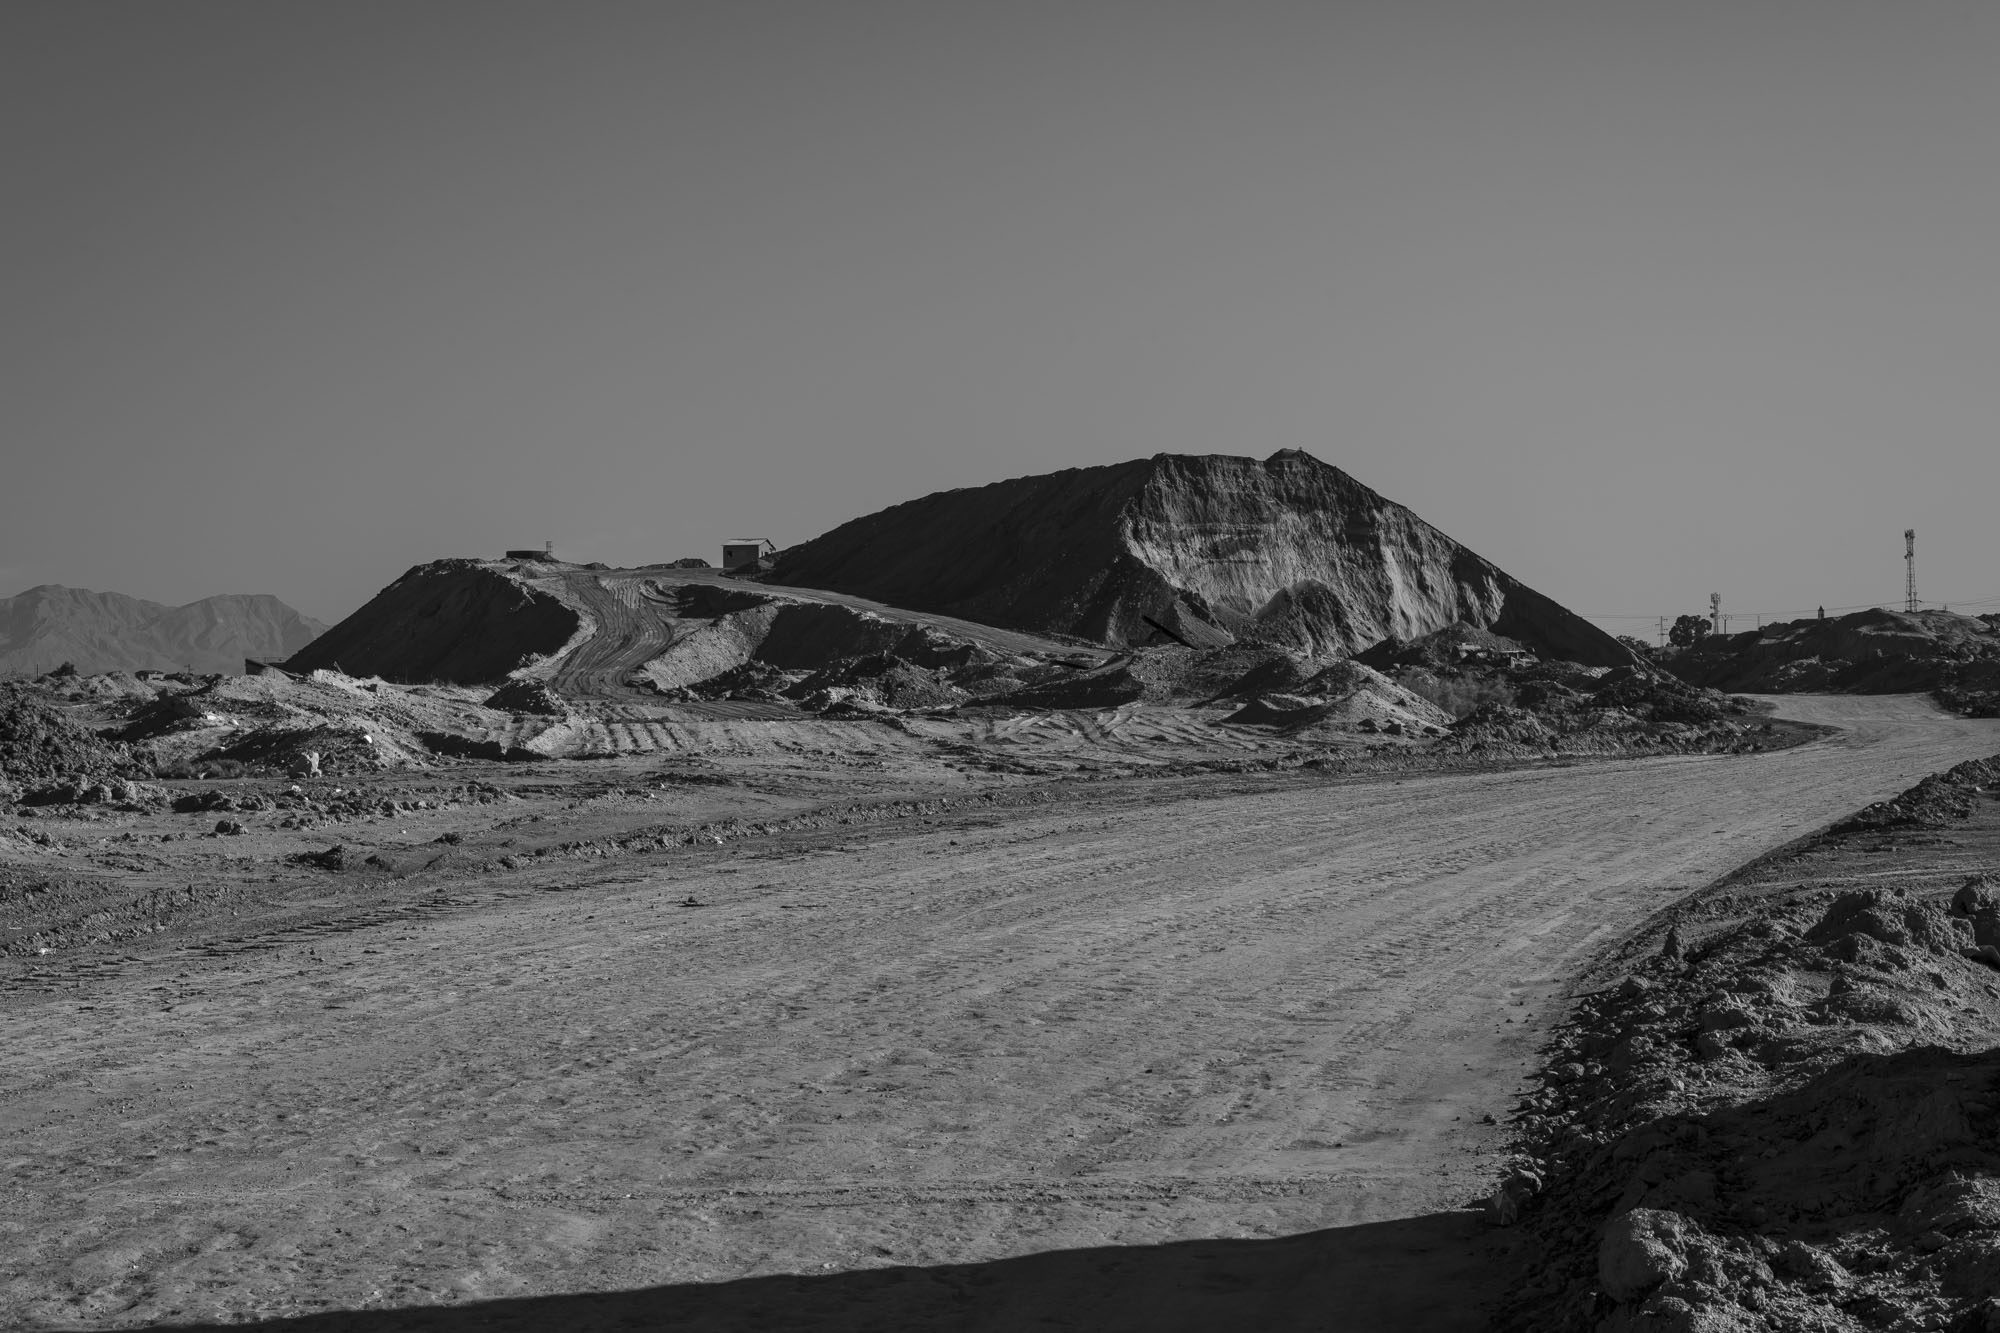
pixel 1868 652
pixel 451 620
pixel 46 626
pixel 1289 551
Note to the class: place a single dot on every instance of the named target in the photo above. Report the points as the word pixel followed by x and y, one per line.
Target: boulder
pixel 1639 1250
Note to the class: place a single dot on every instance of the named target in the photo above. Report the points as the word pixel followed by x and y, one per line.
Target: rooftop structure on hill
pixel 739 553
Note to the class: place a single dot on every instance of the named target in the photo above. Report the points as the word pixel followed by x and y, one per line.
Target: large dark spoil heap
pixel 1289 550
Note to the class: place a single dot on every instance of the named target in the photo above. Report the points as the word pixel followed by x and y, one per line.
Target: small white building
pixel 737 554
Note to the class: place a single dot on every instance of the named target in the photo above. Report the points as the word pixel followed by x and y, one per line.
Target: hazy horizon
pixel 1638 302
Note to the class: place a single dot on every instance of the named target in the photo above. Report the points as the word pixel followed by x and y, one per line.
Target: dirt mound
pixel 1939 801
pixel 883 679
pixel 452 620
pixel 1868 652
pixel 1785 1115
pixel 1195 550
pixel 528 696
pixel 1345 696
pixel 38 741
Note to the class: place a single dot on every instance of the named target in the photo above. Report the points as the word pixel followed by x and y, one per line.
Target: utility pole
pixel 1910 574
pixel 1663 631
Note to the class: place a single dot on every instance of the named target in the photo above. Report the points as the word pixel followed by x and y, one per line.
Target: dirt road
pixel 1156 1014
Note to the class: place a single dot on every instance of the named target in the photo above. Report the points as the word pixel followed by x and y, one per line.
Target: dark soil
pixel 38 741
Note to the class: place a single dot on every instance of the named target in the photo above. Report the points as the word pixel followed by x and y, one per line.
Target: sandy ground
pixel 1194 1053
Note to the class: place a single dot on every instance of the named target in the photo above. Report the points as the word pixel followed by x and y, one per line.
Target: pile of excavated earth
pixel 1195 550
pixel 1954 657
pixel 1779 1105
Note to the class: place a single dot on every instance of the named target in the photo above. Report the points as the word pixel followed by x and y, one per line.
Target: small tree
pixel 1688 631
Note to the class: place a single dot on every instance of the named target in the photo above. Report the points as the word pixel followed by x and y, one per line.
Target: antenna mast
pixel 1910 574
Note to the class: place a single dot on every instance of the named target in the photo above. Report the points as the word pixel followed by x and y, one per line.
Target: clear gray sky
pixel 1638 300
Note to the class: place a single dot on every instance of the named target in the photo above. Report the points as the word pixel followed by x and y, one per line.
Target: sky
pixel 1638 300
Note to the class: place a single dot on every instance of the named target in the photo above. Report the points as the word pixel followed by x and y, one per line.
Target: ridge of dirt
pixel 1779 1105
pixel 1876 651
pixel 40 741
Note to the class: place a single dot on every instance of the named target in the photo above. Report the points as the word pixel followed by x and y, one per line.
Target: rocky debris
pixel 1188 550
pixel 1938 801
pixel 38 740
pixel 1504 701
pixel 1787 1115
pixel 1106 687
pixel 881 679
pixel 1344 696
pixel 1955 657
pixel 202 802
pixel 333 858
pixel 84 790
pixel 528 696
pixel 97 632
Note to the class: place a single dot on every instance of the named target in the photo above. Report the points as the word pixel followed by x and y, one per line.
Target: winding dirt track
pixel 1156 1014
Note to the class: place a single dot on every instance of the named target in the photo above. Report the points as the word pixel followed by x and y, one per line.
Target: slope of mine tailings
pixel 611 633
pixel 451 620
pixel 1289 550
pixel 1868 652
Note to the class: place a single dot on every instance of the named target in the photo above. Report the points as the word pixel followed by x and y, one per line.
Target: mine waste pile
pixel 1955 658
pixel 1204 550
pixel 1779 1107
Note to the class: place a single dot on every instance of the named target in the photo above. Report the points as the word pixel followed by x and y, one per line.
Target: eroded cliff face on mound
pixel 1289 551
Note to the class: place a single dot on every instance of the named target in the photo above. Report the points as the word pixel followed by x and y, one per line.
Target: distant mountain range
pixel 44 627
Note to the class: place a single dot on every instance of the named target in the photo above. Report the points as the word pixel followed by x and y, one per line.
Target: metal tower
pixel 1715 613
pixel 1910 569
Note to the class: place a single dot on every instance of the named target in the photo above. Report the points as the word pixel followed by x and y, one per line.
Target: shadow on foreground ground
pixel 1431 1274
